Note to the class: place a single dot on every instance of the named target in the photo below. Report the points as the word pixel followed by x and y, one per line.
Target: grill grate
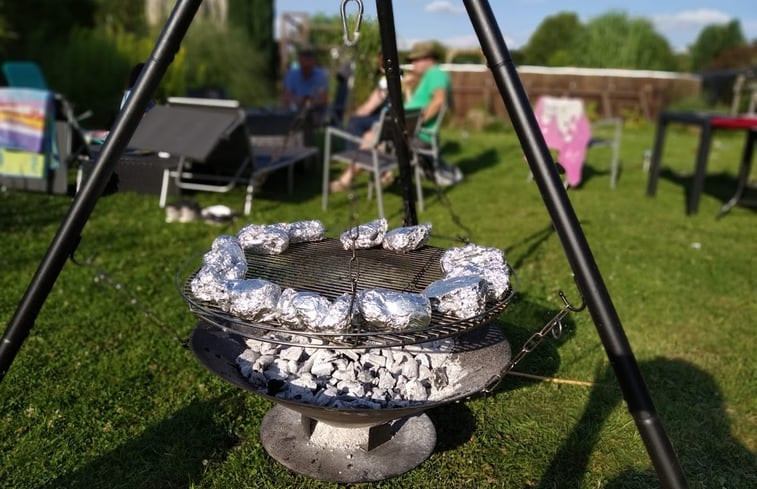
pixel 323 267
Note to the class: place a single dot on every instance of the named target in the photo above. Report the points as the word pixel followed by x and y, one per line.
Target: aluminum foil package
pixel 471 254
pixel 271 239
pixel 497 278
pixel 306 231
pixel 227 257
pixel 408 238
pixel 254 299
pixel 389 309
pixel 462 297
pixel 209 285
pixel 341 314
pixel 302 310
pixel 365 235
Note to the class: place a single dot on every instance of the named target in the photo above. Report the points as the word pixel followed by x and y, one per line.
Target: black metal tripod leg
pixel 576 248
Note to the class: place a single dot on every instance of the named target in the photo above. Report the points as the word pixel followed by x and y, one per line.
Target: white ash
pixel 376 378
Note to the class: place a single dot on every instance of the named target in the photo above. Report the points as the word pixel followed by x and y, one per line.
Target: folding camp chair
pixel 370 158
pixel 65 141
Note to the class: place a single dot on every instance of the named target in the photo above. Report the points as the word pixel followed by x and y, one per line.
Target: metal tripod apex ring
pixel 350 41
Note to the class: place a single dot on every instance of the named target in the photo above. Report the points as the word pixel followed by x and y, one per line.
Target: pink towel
pixel 566 129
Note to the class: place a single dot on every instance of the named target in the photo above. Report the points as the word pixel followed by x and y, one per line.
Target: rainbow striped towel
pixel 25 117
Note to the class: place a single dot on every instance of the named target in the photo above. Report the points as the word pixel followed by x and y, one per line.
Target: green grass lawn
pixel 102 395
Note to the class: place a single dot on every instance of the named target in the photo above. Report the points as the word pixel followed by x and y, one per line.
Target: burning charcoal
pixel 406 239
pixel 424 372
pixel 340 314
pixel 365 235
pixel 383 309
pixel 246 360
pixel 471 254
pixel 351 387
pixel 300 310
pixel 497 278
pixel 410 369
pixel 297 393
pixel 306 380
pixel 423 359
pixel 440 379
pixel 305 231
pixel 352 354
pixel 373 360
pixel 346 374
pixel 462 297
pixel 292 353
pixel 415 391
pixel 272 239
pixel 386 380
pixel 274 385
pixel 263 362
pixel 210 286
pixel 364 376
pixel 322 368
pixel 254 299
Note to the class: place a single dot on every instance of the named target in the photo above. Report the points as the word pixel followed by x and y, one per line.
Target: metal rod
pixel 391 62
pixel 575 245
pixel 69 233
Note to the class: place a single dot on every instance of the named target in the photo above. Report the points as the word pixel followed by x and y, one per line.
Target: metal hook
pixel 570 306
pixel 351 41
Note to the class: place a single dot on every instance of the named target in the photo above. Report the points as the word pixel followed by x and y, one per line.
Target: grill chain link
pixel 554 326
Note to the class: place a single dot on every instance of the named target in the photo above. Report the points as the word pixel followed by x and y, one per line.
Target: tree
pixel 256 17
pixel 713 39
pixel 613 40
pixel 552 43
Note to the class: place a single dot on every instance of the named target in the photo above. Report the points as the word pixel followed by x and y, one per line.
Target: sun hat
pixel 422 49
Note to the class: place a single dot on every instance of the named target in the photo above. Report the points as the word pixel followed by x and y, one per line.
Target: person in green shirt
pixel 431 94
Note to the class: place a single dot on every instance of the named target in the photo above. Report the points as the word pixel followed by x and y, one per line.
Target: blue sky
pixel 446 20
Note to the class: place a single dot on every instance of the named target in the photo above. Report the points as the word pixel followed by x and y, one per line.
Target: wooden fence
pixel 608 92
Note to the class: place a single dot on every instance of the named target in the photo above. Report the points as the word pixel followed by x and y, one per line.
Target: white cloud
pixel 444 7
pixel 687 19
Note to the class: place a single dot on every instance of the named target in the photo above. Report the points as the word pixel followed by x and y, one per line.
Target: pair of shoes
pixel 338 186
pixel 447 175
pixel 184 211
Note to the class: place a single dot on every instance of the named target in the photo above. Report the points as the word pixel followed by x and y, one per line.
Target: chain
pixel 102 277
pixel 554 326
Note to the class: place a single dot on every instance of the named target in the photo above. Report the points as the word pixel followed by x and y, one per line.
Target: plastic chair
pixel 24 74
pixel 567 129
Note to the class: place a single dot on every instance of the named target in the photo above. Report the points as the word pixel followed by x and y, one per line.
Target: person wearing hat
pixel 433 91
pixel 307 86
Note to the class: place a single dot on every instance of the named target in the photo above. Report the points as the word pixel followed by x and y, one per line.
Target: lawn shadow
pixel 169 454
pixel 483 160
pixel 21 210
pixel 721 186
pixel 692 411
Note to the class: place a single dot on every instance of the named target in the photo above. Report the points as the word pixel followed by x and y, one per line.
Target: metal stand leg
pixel 700 168
pixel 576 248
pixel 744 169
pixel 656 160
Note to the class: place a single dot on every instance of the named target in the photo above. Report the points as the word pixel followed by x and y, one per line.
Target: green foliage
pixel 614 40
pixel 256 18
pixel 553 43
pixel 222 57
pixel 117 15
pixel 713 40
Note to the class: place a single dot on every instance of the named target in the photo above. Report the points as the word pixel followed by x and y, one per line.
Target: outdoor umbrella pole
pixel 69 233
pixel 385 16
pixel 576 247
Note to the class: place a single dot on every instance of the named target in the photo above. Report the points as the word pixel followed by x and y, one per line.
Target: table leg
pixel 656 161
pixel 744 169
pixel 697 182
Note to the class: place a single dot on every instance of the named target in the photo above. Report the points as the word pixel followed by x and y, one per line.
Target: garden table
pixel 708 123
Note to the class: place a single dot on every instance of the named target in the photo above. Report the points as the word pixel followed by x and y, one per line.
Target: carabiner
pixel 351 41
